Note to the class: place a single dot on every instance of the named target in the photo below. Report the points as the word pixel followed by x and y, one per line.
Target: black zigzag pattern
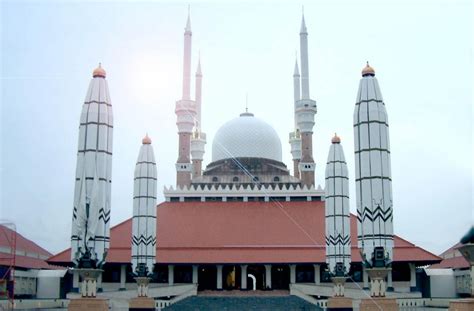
pixel 74 213
pixel 104 215
pixel 375 214
pixel 143 240
pixel 339 239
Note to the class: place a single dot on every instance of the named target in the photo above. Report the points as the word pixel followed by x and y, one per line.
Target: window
pixel 276 179
pixel 235 179
pixel 215 179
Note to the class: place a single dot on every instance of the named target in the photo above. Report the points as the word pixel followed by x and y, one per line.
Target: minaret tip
pixel 146 140
pixel 188 22
pixel 336 139
pixel 99 72
pixel 368 71
pixel 303 23
pixel 297 71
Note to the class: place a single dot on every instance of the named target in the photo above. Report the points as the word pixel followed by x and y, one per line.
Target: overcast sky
pixel 421 51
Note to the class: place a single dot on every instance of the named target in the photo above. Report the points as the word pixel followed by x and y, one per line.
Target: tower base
pixel 462 305
pixel 90 304
pixel 339 304
pixel 377 304
pixel 141 304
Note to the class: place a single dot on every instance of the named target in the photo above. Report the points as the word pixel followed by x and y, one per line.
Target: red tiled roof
pixel 22 243
pixel 242 232
pixel 453 263
pixel 23 246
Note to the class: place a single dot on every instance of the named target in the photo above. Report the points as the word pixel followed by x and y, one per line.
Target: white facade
pixel 91 214
pixel 144 209
pixel 373 174
pixel 338 231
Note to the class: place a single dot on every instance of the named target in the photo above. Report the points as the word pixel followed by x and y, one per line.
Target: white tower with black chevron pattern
pixel 338 231
pixel 91 214
pixel 373 173
pixel 144 211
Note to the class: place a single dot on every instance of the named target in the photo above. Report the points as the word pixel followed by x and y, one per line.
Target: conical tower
pixel 90 234
pixel 338 231
pixel 373 175
pixel 144 213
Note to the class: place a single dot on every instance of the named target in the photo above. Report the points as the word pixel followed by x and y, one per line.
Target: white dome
pixel 246 136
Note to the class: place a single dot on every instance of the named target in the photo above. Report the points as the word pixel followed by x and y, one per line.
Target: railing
pixel 161 304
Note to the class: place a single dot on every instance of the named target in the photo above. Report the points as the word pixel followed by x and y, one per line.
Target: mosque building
pixel 244 221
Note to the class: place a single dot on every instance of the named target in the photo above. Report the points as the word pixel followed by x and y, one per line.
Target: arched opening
pixel 215 179
pixel 276 179
pixel 235 179
pixel 207 276
pixel 281 277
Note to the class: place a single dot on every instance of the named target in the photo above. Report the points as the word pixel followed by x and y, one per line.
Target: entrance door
pixel 207 277
pixel 281 277
pixel 231 277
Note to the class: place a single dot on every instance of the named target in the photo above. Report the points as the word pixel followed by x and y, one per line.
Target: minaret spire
pixel 198 140
pixel 304 60
pixel 305 109
pixel 187 59
pixel 186 114
pixel 295 137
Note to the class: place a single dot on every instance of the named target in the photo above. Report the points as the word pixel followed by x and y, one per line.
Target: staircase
pixel 238 303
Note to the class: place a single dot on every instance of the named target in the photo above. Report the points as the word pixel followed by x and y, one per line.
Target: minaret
pixel 144 216
pixel 295 137
pixel 186 113
pixel 198 140
pixel 305 111
pixel 91 214
pixel 373 177
pixel 338 231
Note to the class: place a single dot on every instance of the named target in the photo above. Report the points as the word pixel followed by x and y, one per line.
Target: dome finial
pixel 146 140
pixel 99 72
pixel 368 71
pixel 336 139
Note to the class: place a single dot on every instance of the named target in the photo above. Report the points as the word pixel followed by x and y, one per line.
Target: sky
pixel 422 52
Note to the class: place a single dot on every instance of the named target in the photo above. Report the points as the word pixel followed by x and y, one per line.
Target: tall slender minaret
pixel 186 113
pixel 338 231
pixel 91 214
pixel 198 140
pixel 373 175
pixel 144 215
pixel 305 111
pixel 295 137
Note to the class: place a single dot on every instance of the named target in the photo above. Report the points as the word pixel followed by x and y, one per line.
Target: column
pixel 317 274
pixel 123 276
pixel 219 277
pixel 389 282
pixel 412 277
pixel 243 277
pixel 170 275
pixel 99 283
pixel 365 277
pixel 195 274
pixel 75 281
pixel 292 274
pixel 268 276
